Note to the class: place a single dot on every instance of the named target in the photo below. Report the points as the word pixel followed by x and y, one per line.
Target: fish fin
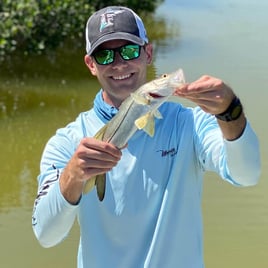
pixel 181 76
pixel 89 185
pixel 142 121
pixel 101 185
pixel 150 126
pixel 157 114
pixel 140 99
pixel 100 134
pixel 146 123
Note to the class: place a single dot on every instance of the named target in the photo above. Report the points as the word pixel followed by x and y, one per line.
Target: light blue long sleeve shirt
pixel 151 213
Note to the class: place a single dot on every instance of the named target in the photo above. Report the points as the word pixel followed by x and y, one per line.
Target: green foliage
pixel 137 5
pixel 32 26
pixel 40 26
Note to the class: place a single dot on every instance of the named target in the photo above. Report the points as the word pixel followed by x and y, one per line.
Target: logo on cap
pixel 108 17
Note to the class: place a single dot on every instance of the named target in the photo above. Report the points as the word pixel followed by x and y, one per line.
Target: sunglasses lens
pixel 127 52
pixel 130 52
pixel 104 57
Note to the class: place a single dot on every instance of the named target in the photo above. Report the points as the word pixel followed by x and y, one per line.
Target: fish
pixel 137 112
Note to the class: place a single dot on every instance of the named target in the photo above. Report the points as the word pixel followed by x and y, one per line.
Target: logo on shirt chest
pixel 170 152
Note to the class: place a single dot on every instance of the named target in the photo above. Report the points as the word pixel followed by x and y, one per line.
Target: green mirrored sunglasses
pixel 107 56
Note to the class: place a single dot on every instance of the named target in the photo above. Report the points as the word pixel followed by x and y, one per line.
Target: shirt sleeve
pixel 243 158
pixel 53 216
pixel 236 161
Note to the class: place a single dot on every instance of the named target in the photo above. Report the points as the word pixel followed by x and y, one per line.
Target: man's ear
pixel 149 53
pixel 90 64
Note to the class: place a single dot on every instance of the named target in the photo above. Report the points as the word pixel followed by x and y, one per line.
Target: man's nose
pixel 119 61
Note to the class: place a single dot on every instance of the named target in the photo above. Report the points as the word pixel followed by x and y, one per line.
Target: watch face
pixel 236 112
pixel 233 111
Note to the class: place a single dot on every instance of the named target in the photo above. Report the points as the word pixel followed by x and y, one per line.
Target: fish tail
pixel 101 185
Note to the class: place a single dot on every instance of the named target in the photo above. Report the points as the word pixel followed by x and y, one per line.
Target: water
pixel 226 39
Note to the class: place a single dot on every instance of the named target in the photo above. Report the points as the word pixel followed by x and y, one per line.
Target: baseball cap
pixel 114 22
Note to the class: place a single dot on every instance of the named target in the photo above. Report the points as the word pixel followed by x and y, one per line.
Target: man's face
pixel 121 77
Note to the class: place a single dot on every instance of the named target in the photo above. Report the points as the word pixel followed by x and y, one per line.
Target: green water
pixel 225 39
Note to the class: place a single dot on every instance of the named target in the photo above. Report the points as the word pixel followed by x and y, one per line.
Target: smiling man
pixel 151 213
pixel 121 76
pixel 118 52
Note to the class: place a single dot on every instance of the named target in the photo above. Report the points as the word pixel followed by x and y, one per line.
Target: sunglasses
pixel 107 56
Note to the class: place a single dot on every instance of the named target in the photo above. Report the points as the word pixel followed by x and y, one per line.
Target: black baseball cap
pixel 114 22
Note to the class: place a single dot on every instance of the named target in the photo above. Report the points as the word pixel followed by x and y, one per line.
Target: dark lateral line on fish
pixel 121 121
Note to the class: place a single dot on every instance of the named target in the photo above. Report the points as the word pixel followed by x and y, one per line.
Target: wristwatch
pixel 233 111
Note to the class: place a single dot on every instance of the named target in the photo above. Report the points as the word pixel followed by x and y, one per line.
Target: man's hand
pixel 214 97
pixel 91 158
pixel 210 93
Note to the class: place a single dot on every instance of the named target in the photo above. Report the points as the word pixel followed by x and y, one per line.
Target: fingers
pixel 205 84
pixel 93 157
pixel 98 154
pixel 99 147
pixel 208 92
pixel 94 152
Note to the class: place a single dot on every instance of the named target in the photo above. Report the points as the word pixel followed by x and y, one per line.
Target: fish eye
pixel 164 75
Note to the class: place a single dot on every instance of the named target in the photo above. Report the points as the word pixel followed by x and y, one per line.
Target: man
pixel 151 213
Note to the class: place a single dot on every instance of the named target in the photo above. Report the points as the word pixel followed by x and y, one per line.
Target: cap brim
pixel 115 36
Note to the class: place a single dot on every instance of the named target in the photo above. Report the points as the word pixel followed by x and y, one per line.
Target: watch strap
pixel 232 112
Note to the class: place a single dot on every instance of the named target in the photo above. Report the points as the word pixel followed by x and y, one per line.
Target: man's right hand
pixel 92 157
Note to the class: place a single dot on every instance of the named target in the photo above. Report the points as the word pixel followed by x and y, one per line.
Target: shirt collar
pixel 103 110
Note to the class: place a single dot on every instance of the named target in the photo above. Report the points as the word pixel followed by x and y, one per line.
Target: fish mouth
pixel 155 95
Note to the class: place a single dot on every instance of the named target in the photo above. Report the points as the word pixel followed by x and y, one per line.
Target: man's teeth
pixel 121 77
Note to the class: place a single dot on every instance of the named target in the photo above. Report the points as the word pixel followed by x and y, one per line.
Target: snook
pixel 136 112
